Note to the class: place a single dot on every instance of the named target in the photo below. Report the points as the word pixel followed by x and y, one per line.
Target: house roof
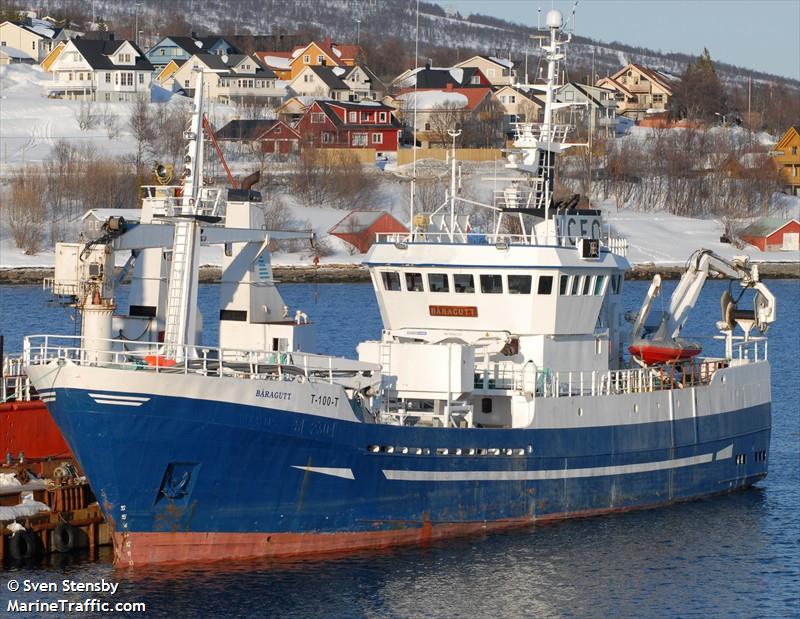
pixel 97 54
pixel 40 28
pixel 440 77
pixel 358 221
pixel 248 129
pixel 463 98
pixel 524 92
pixel 616 85
pixel 224 65
pixel 766 226
pixel 275 60
pixel 651 74
pixel 329 78
pixel 786 138
pixel 190 44
pixel 374 79
pixel 327 108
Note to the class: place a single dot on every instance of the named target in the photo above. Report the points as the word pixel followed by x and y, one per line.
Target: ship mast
pixel 181 319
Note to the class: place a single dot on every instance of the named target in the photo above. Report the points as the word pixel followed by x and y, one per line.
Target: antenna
pixel 414 133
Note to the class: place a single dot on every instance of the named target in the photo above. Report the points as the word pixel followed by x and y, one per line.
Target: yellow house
pixel 51 57
pixel 787 157
pixel 313 55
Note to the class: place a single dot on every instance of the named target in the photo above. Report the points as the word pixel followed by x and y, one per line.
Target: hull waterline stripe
pixel 108 396
pixel 599 471
pixel 324 470
pixel 118 402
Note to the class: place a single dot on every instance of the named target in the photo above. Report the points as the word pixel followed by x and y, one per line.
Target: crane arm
pixel 641 318
pixel 685 296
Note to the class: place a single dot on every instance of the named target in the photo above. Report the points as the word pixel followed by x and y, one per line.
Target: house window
pixel 186 83
pixel 475 79
pixel 306 59
pixel 490 73
pixel 320 59
pixel 794 150
pixel 80 77
pixel 512 98
pixel 359 139
pixel 353 117
pixel 437 282
pixel 463 283
pixel 327 138
pixel 317 118
pixel 569 96
pixel 306 78
pixel 414 282
pixel 70 76
pixel 382 117
pixel 502 98
pixel 377 138
pixel 277 130
pixel 108 77
pixel 33 44
pixel 427 126
pixel 3 43
pixel 658 98
pixel 141 78
pixel 491 284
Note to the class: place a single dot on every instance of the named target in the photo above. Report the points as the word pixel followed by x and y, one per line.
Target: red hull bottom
pixel 136 549
pixel 28 428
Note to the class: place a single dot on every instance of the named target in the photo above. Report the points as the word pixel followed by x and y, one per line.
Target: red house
pixel 773 234
pixel 268 136
pixel 359 228
pixel 337 124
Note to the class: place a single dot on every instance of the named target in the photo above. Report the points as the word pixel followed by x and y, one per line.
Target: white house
pixel 230 78
pixel 100 71
pixel 499 71
pixel 321 83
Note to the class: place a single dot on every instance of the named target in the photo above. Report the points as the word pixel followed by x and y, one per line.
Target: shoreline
pixel 354 273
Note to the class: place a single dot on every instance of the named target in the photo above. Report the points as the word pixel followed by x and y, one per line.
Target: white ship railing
pixel 545 383
pixel 169 201
pixel 15 383
pixel 615 245
pixel 195 360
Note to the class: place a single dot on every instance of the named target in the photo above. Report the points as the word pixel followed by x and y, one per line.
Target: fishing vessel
pixel 501 392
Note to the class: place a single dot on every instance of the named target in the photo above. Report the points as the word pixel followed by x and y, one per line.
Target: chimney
pixel 328 41
pixel 428 64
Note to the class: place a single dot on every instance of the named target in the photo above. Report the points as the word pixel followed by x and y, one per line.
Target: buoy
pixel 65 538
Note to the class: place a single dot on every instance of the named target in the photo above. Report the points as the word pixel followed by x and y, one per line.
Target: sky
pixel 757 34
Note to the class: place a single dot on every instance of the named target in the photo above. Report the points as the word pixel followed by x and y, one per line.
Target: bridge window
pixel 545 284
pixel 519 284
pixel 576 285
pixel 587 283
pixel 616 284
pixel 463 283
pixel 599 284
pixel 563 288
pixel 414 282
pixel 391 280
pixel 437 282
pixel 491 284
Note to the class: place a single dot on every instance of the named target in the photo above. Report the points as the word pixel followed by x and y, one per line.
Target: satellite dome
pixel 554 19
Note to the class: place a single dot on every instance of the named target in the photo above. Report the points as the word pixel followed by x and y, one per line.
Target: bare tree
pixel 141 124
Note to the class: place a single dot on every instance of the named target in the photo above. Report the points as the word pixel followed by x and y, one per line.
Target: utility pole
pixel 136 27
pixel 358 32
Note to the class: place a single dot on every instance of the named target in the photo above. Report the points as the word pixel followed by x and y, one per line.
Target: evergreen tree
pixel 700 94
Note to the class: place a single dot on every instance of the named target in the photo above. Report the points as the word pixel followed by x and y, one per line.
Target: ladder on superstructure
pixel 178 289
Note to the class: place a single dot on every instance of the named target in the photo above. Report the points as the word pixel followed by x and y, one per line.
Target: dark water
pixel 734 556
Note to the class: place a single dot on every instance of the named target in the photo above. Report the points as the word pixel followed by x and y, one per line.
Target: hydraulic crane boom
pixel 685 296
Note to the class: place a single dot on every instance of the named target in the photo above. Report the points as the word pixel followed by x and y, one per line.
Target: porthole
pixel 530 449
pixel 635 408
pixel 580 412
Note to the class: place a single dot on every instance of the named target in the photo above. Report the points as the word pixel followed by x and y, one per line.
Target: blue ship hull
pixel 186 478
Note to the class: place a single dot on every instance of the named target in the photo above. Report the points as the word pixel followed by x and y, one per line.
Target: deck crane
pixel 700 265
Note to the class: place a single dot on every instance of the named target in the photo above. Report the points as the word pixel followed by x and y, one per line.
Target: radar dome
pixel 554 19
